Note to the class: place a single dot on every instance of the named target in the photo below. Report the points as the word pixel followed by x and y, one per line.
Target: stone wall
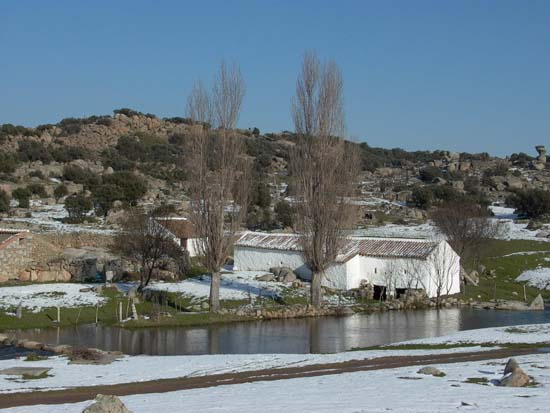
pixel 15 255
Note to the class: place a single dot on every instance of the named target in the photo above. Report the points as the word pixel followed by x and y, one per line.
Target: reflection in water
pixel 306 335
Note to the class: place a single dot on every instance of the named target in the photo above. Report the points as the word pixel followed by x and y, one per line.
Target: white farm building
pixel 389 264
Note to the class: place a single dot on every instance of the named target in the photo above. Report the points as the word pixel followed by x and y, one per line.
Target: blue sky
pixel 460 75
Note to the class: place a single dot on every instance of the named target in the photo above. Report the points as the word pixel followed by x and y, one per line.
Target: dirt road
pixel 80 394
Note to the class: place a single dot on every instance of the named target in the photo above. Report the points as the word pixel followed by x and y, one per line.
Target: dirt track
pixel 80 394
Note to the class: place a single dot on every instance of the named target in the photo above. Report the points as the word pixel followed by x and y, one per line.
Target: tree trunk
pixel 316 292
pixel 215 292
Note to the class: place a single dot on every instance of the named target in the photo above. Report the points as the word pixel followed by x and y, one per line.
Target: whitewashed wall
pixel 259 259
pixel 349 275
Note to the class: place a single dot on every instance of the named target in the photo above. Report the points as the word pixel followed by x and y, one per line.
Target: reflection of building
pixel 15 252
pixel 390 264
pixel 181 230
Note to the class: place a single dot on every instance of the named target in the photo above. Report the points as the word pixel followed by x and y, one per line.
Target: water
pixel 307 335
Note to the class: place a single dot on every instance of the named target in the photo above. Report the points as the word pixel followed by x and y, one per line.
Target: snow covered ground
pixel 238 285
pixel 48 217
pixel 401 390
pixel 528 333
pixel 505 217
pixel 38 296
pixel 539 278
pixel 142 368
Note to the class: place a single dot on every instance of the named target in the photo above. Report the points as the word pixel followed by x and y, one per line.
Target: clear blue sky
pixel 460 75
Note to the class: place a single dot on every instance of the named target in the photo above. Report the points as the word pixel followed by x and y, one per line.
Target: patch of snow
pixel 237 285
pixel 49 218
pixel 528 333
pixel 143 368
pixel 501 212
pixel 398 390
pixel 37 296
pixel 539 278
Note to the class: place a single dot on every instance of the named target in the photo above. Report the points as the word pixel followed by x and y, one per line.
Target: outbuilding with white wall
pixel 393 264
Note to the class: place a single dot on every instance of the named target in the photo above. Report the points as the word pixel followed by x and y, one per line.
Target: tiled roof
pixel 7 234
pixel 371 247
pixel 180 227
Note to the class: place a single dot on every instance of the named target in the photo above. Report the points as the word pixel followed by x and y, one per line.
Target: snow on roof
pixel 371 247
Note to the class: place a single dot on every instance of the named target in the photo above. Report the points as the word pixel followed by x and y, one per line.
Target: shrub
pixel 36 174
pixel 37 189
pixel 7 129
pixel 127 112
pixel 22 195
pixel 179 120
pixel 422 197
pixel 4 201
pixel 132 187
pixel 430 173
pixel 500 169
pixel 103 197
pixel 8 163
pixel 533 203
pixel 284 214
pixel 60 191
pixel 64 154
pixel 30 151
pixel 177 139
pixel 80 175
pixel 78 206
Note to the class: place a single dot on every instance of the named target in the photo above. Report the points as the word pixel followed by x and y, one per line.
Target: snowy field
pixel 142 368
pixel 400 390
pixel 528 333
pixel 38 296
pixel 539 278
pixel 48 217
pixel 238 285
pixel 505 217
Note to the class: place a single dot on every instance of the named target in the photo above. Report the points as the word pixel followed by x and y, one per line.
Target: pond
pixel 306 335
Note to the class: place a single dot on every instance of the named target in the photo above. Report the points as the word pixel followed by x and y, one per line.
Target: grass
pixel 507 269
pixel 35 357
pixel 477 380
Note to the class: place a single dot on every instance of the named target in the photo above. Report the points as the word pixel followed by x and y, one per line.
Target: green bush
pixel 4 201
pixel 284 214
pixel 7 129
pixel 78 206
pixel 132 187
pixel 22 195
pixel 64 154
pixel 30 151
pixel 8 163
pixel 37 189
pixel 60 191
pixel 422 197
pixel 533 203
pixel 430 174
pixel 80 175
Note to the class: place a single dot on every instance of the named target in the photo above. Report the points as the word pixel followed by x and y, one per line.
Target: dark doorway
pixel 379 292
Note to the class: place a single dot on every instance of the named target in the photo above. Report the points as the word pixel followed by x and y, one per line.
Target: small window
pixel 22 241
pixel 375 271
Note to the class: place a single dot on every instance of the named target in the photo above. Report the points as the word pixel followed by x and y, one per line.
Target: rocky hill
pixel 131 157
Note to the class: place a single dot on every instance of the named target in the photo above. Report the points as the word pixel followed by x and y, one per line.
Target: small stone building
pixel 182 231
pixel 15 252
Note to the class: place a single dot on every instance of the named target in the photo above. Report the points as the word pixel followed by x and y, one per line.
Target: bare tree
pixel 219 171
pixel 323 166
pixel 145 241
pixel 466 226
pixel 442 265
